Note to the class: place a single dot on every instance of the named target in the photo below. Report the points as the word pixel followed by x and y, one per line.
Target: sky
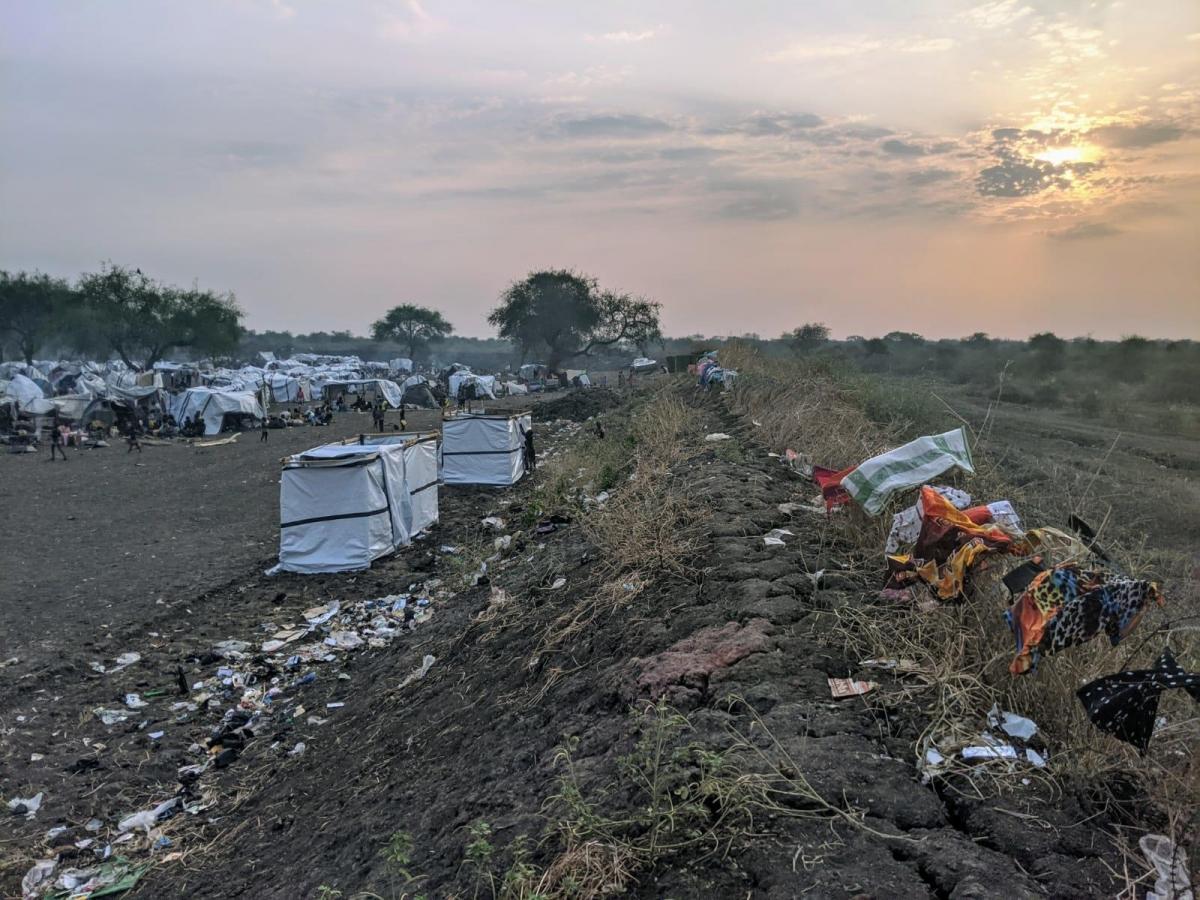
pixel 1010 166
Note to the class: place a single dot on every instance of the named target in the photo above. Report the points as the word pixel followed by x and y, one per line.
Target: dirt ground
pixel 360 748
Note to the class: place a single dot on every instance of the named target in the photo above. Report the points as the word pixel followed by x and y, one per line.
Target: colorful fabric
pixel 1063 607
pixel 830 483
pixel 1126 704
pixel 906 524
pixel 873 482
pixel 944 527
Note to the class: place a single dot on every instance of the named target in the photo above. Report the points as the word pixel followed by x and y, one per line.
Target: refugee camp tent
pixel 400 364
pixel 417 392
pixel 344 505
pixel 485 385
pixel 642 364
pixel 213 405
pixel 368 388
pixel 515 388
pixel 23 390
pixel 578 377
pixel 484 449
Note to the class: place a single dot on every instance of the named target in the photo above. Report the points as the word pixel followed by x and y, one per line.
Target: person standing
pixel 56 441
pixel 263 433
pixel 131 437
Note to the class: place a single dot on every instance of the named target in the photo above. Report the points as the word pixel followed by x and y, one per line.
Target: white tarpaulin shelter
pixel 342 506
pixel 400 364
pixel 643 363
pixel 382 387
pixel 485 385
pixel 23 390
pixel 483 449
pixel 212 406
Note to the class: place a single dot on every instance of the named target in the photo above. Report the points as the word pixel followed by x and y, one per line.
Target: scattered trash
pixel 133 701
pixel 123 661
pixel 494 522
pixel 156 735
pixel 110 716
pixel 420 672
pixel 1170 865
pixel 1011 724
pixel 901 666
pixel 841 688
pixel 319 615
pixel 26 806
pixel 337 705
pixel 873 481
pixel 774 537
pixel 147 818
pixel 231 649
pixel 1125 705
pixel 559 582
pixel 114 876
pixel 298 750
pixel 717 436
pixel 990 751
pixel 1034 757
pixel 344 640
pixel 37 876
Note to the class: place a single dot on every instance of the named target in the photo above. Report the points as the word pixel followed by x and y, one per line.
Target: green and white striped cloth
pixel 874 481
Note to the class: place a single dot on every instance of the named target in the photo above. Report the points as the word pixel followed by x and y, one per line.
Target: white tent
pixel 23 390
pixel 342 506
pixel 382 387
pixel 641 364
pixel 400 364
pixel 485 385
pixel 212 406
pixel 482 449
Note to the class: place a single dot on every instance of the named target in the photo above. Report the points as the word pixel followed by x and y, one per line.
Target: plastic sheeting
pixel 212 406
pixel 484 449
pixel 343 506
pixel 23 390
pixel 909 466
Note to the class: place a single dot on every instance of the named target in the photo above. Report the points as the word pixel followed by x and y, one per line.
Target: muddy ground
pixel 481 737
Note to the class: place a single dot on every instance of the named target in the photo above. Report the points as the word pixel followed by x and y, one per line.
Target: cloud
pixel 759 125
pixel 621 125
pixel 1084 231
pixel 763 208
pixel 628 37
pixel 690 154
pixel 925 45
pixel 901 148
pixel 592 76
pixel 929 176
pixel 411 22
pixel 834 48
pixel 997 14
pixel 1144 134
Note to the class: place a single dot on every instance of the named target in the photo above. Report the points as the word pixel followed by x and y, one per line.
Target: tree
pixel 567 315
pixel 413 326
pixel 1048 352
pixel 32 309
pixel 807 337
pixel 140 319
pixel 876 347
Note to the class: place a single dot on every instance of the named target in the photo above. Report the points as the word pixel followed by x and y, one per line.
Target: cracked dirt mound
pixel 578 406
pixel 521 765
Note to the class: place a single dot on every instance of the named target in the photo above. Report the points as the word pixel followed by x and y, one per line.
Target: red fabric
pixel 830 483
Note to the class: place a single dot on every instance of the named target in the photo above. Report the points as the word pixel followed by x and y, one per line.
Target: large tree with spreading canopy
pixel 128 313
pixel 566 315
pixel 33 307
pixel 412 326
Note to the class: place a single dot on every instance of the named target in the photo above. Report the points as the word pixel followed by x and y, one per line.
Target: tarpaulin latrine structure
pixel 344 505
pixel 484 449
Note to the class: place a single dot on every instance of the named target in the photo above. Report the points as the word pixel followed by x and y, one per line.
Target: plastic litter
pixel 990 751
pixel 717 436
pixel 420 672
pixel 133 701
pixel 774 537
pixel 841 688
pixel 147 818
pixel 1012 724
pixel 1170 865
pixel 38 875
pixel 493 522
pixel 110 716
pixel 298 750
pixel 26 806
pixel 559 582
pixel 319 615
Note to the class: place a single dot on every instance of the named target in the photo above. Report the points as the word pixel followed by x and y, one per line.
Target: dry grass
pixel 964 649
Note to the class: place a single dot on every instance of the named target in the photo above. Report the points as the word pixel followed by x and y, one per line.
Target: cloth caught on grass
pixel 1125 704
pixel 830 483
pixel 1064 606
pixel 871 483
pixel 951 542
pixel 906 524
